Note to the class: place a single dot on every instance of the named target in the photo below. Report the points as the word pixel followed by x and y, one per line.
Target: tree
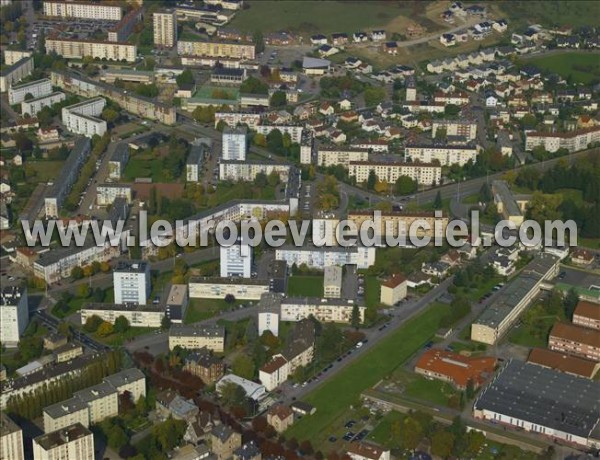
pixel 372 180
pixel 355 317
pixel 232 394
pixel 374 95
pixel 278 99
pixel 437 203
pixel 83 291
pixel 121 324
pixel 405 185
pixel 105 329
pixel 442 443
pixel 165 323
pixel 22 142
pixel 570 302
pixel 110 115
pixel 92 323
pixel 253 85
pixel 452 110
pixel 185 78
pixel 411 433
pixel 259 41
pixel 76 273
pixel 260 180
pixel 229 298
pixel 273 178
pixel 243 366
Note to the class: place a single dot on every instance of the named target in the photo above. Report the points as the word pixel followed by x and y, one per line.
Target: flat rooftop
pixel 63 436
pixel 200 331
pixel 177 294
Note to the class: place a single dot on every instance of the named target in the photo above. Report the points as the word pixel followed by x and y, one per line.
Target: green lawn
pixel 372 291
pixel 334 397
pixel 211 92
pixel 115 340
pixel 382 433
pixel 202 309
pixel 582 67
pixel 43 171
pixel 575 13
pixel 305 286
pixel 418 387
pixel 316 17
pixel 144 165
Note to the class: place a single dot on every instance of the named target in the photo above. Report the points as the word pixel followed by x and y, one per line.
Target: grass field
pixel 382 433
pixel 305 286
pixel 573 12
pixel 582 67
pixel 418 387
pixel 43 171
pixel 334 397
pixel 201 309
pixel 144 166
pixel 307 17
pixel 372 291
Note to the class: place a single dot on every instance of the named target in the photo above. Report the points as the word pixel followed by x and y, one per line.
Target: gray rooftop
pixel 125 377
pixel 202 331
pixel 543 396
pixel 69 406
pixel 121 153
pixel 63 436
pixel 7 425
pixel 504 194
pixel 95 392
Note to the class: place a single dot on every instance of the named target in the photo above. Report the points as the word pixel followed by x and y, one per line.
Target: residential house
pixel 280 417
pixel 393 290
pixel 359 450
pixel 224 441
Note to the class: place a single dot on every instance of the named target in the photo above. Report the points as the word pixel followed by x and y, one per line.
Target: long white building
pixel 572 141
pixel 340 156
pixel 248 170
pixel 33 106
pixel 320 257
pixel 39 88
pixel 423 173
pixel 13 73
pixel 83 10
pixel 82 118
pixel 325 310
pixel 295 132
pixel 71 48
pixel 447 155
pixel 14 314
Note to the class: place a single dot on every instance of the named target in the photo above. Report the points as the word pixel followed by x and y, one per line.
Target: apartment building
pixel 295 132
pixel 102 401
pixel 39 88
pixel 234 144
pixel 423 173
pixel 564 362
pixel 401 224
pixel 462 128
pixel 165 28
pixel 199 151
pixel 280 417
pixel 83 10
pixel 138 105
pixel 70 48
pixel 497 318
pixel 332 282
pixel 118 161
pixel 196 337
pixel 228 76
pixel 11 439
pixel 232 119
pixel 359 450
pixel 269 308
pixel 245 170
pixel 65 413
pixel 33 106
pixel 13 56
pixel 130 380
pixel 58 192
pixel 572 140
pixel 131 281
pixel 299 351
pixel 236 50
pixel 587 314
pixel 82 118
pixel 73 441
pixel 446 155
pixel 125 27
pixel 575 340
pixel 340 156
pixel 325 310
pixel 224 441
pixel 393 290
pixel 218 288
pixel 137 315
pixel 106 194
pixel 236 260
pixel 14 314
pixel 205 365
pixel 56 264
pixel 320 257
pixel 13 73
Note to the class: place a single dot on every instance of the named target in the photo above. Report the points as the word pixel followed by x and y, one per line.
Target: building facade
pixel 165 28
pixel 73 441
pixel 422 173
pixel 78 49
pixel 14 315
pixel 11 439
pixel 223 49
pixel 83 10
pixel 33 106
pixel 39 88
pixel 325 310
pixel 195 338
pixel 132 283
pixel 446 155
pixel 82 118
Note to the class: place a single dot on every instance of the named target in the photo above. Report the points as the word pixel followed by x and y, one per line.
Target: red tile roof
pixel 457 368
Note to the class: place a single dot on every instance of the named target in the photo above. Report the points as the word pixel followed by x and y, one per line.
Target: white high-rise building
pixel 73 441
pixel 81 118
pixel 132 282
pixel 14 314
pixel 236 260
pixel 234 144
pixel 11 439
pixel 165 28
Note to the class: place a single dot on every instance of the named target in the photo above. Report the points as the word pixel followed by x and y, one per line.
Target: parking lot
pixel 578 278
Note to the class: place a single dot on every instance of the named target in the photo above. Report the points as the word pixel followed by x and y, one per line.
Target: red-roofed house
pixel 393 290
pixel 363 451
pixel 582 257
pixel 280 417
pixel 587 314
pixel 455 369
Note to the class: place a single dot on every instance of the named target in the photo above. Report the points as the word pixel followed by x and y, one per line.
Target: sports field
pixel 336 395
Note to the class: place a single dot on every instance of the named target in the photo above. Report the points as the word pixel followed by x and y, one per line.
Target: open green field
pixel 334 396
pixel 308 17
pixel 382 434
pixel 305 286
pixel 201 309
pixel 372 291
pixel 418 387
pixel 144 165
pixel 212 92
pixel 575 13
pixel 581 67
pixel 115 340
pixel 43 171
